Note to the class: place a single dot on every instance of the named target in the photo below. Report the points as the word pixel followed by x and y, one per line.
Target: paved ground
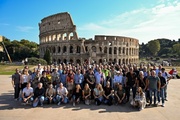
pixel 12 110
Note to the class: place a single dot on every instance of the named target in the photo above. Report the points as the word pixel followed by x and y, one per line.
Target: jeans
pixel 150 95
pixel 128 92
pixel 161 94
pixel 108 101
pixel 99 100
pixel 165 92
pixel 16 91
pixel 48 100
pixel 59 99
pixel 40 100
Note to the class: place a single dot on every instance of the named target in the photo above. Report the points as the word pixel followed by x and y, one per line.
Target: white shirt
pixel 62 91
pixel 27 92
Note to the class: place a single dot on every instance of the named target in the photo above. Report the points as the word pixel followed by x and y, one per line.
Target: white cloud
pixel 161 21
pixel 24 28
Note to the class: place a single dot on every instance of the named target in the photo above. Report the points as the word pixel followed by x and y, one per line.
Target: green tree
pixel 154 47
pixel 47 56
pixel 176 48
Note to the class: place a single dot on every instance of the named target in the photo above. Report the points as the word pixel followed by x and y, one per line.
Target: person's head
pixel 44 73
pixel 78 71
pixel 139 90
pixel 25 71
pixel 60 85
pixel 86 86
pixel 160 67
pixel 17 70
pixel 153 73
pixel 39 65
pixel 40 85
pixel 50 85
pixel 28 85
pixel 78 86
pixel 141 74
pixel 107 84
pixel 118 73
pixel 120 86
pixel 91 71
pixel 131 69
pixel 163 70
pixel 159 73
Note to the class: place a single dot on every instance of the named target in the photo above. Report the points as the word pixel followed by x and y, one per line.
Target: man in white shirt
pixel 27 94
pixel 61 94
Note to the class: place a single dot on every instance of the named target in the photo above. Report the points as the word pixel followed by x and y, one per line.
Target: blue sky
pixel 141 19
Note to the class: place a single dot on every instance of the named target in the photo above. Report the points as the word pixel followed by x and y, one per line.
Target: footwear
pixel 165 99
pixel 163 105
pixel 149 104
pixel 23 103
pixel 155 105
pixel 74 104
pixel 158 103
pixel 41 105
pixel 59 103
pixel 16 99
pixel 87 102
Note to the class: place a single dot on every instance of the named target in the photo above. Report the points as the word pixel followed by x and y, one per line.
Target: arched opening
pixel 123 51
pixel 110 50
pixel 54 49
pixel 78 61
pixel 124 61
pixel 105 50
pixel 115 50
pixel 78 49
pixel 59 61
pixel 100 61
pixel 59 49
pixel 64 49
pixel 119 50
pixel 127 61
pixel 126 51
pixel 86 48
pixel 71 36
pixel 100 49
pixel 120 62
pixel 71 61
pixel 115 61
pixel 65 61
pixel 71 49
pixel 94 48
pixel 64 36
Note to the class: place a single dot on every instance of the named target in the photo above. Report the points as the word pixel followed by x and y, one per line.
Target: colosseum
pixel 58 34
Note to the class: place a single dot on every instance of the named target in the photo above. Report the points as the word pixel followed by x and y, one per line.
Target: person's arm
pixel 31 94
pixel 116 95
pixel 123 96
pixel 94 94
pixel 159 85
pixel 147 84
pixel 12 81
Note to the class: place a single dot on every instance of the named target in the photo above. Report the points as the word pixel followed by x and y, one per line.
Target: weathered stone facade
pixel 58 34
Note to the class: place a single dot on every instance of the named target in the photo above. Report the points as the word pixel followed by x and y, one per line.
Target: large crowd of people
pixel 92 84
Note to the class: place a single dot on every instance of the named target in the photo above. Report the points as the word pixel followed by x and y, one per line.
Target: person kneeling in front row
pixel 27 94
pixel 61 94
pixel 38 95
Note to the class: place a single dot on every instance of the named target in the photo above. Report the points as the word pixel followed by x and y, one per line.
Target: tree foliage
pixel 176 48
pixel 154 47
pixel 47 56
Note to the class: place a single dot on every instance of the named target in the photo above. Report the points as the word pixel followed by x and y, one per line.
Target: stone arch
pixel 127 61
pixel 64 49
pixel 123 50
pixel 110 50
pixel 119 50
pixel 71 49
pixel 115 60
pixel 126 51
pixel 86 48
pixel 120 62
pixel 78 49
pixel 71 36
pixel 64 36
pixel 123 61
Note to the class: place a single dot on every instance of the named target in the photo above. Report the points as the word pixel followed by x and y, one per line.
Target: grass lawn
pixel 10 69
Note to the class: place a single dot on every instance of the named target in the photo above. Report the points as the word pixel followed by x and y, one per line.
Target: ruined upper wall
pixel 57 23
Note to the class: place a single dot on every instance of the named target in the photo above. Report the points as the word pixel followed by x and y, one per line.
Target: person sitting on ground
pixel 140 99
pixel 108 94
pixel 120 95
pixel 50 94
pixel 39 95
pixel 77 93
pixel 174 73
pixel 86 94
pixel 61 94
pixel 98 94
pixel 27 94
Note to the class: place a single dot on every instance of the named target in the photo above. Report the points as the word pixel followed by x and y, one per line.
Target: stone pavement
pixel 13 110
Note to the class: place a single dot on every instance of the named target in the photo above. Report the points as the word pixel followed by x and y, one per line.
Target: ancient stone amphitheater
pixel 58 34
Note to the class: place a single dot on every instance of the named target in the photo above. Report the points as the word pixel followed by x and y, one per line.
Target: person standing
pixel 153 84
pixel 16 83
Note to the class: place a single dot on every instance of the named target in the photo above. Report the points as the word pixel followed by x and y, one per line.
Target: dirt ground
pixel 13 110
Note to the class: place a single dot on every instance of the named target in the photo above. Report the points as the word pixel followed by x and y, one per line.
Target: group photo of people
pixel 98 84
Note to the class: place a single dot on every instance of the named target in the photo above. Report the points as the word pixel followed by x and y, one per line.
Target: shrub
pixel 35 61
